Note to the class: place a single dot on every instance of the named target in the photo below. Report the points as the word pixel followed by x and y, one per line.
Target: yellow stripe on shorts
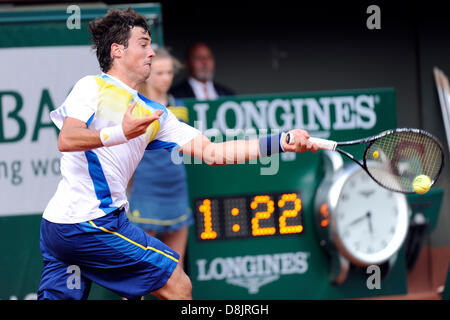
pixel 133 242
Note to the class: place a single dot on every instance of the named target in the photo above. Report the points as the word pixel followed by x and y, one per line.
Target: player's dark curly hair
pixel 114 27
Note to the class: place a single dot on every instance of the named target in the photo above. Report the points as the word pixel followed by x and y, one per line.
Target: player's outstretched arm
pixel 75 136
pixel 229 152
pixel 238 151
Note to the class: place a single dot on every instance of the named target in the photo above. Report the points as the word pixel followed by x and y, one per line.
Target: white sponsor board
pixel 34 80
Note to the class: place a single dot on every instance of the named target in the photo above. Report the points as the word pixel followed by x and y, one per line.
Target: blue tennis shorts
pixel 110 251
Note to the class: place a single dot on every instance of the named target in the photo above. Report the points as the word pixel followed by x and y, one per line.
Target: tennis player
pixel 106 126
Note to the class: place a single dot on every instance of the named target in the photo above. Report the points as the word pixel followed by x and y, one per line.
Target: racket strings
pixel 396 159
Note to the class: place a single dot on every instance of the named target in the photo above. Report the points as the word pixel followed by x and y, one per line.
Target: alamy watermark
pixel 74 280
pixel 230 152
pixel 374 280
pixel 74 20
pixel 374 20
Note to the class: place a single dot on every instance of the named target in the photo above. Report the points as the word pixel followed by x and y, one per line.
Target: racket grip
pixel 321 143
pixel 324 144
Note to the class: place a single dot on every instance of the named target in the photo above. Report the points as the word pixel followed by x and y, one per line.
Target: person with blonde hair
pixel 158 193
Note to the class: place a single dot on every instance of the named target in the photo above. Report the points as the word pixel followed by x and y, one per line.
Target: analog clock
pixel 370 222
pixel 358 221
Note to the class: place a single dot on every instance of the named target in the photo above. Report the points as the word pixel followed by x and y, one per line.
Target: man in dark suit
pixel 200 66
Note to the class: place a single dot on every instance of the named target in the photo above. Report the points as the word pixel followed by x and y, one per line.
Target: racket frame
pixel 372 139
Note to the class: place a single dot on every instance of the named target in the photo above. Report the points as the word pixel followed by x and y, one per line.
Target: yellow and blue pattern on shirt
pixel 113 101
pixel 180 112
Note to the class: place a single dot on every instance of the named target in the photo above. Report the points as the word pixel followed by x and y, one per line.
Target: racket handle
pixel 321 143
pixel 324 144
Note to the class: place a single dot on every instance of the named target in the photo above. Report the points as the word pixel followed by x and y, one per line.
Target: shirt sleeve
pixel 81 103
pixel 173 134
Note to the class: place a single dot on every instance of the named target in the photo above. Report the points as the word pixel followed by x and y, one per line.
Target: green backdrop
pixel 340 115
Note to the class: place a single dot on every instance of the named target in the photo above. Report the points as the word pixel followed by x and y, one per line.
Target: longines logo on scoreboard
pixel 314 114
pixel 252 272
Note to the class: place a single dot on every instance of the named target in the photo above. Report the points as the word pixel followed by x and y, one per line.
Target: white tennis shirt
pixel 94 182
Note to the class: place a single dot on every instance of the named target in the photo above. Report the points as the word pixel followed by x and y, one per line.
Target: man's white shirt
pixel 203 91
pixel 94 182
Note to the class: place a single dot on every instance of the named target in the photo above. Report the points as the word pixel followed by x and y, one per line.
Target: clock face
pixel 370 221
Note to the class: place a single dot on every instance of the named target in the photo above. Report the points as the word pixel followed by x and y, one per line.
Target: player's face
pixel 139 53
pixel 161 75
pixel 201 63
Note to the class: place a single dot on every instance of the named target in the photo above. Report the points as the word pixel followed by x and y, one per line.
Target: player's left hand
pixel 134 127
pixel 302 143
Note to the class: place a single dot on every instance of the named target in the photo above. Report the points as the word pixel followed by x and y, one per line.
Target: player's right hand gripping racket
pixel 394 158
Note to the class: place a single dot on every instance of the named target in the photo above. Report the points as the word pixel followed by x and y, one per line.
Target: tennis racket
pixel 393 158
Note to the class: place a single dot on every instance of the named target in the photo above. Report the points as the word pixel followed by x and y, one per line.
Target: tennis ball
pixel 375 154
pixel 421 184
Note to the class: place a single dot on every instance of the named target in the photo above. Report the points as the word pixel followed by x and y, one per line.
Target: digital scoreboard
pixel 248 216
pixel 254 235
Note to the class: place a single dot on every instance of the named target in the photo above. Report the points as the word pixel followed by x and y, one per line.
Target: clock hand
pixel 369 216
pixel 367 193
pixel 357 220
